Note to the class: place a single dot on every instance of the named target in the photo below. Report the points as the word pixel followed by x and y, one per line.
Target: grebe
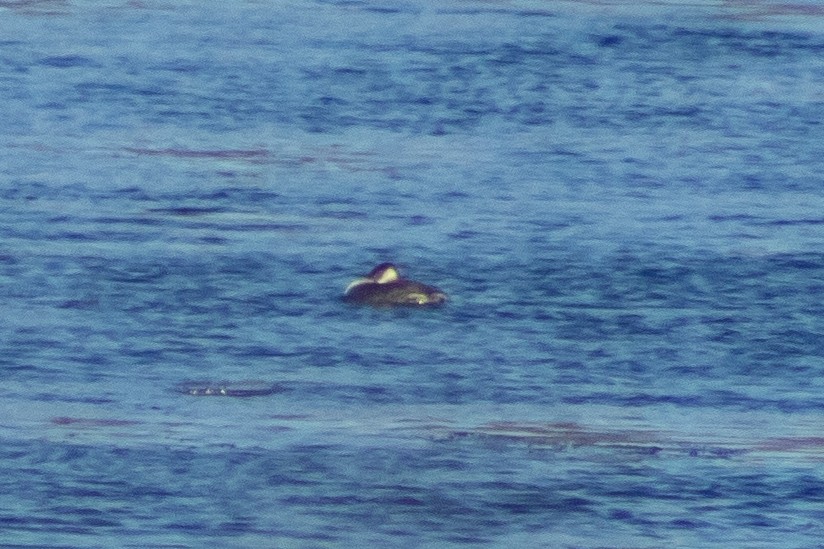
pixel 383 286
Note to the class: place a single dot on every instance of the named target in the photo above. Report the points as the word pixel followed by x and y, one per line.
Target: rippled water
pixel 624 203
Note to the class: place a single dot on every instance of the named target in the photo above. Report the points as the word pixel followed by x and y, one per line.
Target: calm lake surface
pixel 624 202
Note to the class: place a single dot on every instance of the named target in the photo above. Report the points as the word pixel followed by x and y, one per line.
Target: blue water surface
pixel 624 203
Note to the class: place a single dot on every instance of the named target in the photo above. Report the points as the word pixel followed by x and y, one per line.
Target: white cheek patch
pixel 389 275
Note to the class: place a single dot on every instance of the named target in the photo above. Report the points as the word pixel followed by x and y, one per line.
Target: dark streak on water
pixel 624 208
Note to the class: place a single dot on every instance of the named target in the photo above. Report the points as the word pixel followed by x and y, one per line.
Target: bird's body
pixel 385 287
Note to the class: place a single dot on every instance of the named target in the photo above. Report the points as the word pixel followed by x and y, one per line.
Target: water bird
pixel 384 286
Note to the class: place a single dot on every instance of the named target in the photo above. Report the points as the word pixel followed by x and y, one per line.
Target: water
pixel 623 202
